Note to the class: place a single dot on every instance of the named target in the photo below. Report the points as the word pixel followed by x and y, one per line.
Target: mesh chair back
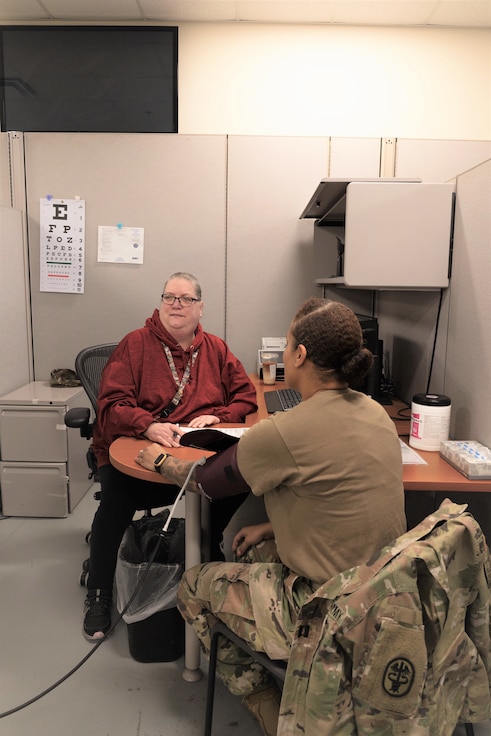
pixel 89 364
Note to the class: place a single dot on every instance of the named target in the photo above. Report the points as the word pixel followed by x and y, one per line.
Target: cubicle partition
pixel 227 208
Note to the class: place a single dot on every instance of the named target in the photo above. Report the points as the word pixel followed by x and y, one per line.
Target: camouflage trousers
pixel 258 600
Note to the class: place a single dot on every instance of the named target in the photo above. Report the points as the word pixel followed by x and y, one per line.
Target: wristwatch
pixel 160 461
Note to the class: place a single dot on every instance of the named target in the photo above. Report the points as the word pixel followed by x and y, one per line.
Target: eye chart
pixel 62 242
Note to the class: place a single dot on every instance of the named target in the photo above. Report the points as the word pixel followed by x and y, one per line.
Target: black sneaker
pixel 97 620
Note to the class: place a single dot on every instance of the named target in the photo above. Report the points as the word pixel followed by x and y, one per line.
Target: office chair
pixel 361 597
pixel 276 667
pixel 89 364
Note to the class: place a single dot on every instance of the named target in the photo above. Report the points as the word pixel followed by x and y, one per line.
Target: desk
pixel 436 476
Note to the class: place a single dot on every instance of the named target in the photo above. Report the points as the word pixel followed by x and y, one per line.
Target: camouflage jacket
pixel 401 645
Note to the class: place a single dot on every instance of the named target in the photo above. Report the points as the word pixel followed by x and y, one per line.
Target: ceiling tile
pixel 464 13
pixel 443 13
pixel 93 9
pixel 354 12
pixel 22 10
pixel 382 12
pixel 189 10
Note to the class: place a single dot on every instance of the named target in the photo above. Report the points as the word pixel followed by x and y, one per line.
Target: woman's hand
pixel 248 536
pixel 165 433
pixel 205 420
pixel 147 456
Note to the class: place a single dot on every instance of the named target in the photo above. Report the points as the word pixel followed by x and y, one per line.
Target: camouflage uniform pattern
pixel 258 598
pixel 399 646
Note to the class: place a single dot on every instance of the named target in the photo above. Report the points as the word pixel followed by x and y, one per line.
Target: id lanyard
pixel 181 384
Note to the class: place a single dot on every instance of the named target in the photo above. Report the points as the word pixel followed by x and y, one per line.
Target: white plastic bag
pixel 158 591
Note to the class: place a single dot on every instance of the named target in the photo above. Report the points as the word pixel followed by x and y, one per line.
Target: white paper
pixel 120 244
pixel 232 431
pixel 409 456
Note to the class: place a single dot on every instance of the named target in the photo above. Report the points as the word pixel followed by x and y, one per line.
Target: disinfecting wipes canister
pixel 430 421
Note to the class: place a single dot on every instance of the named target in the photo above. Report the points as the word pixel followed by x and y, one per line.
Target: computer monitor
pixel 372 384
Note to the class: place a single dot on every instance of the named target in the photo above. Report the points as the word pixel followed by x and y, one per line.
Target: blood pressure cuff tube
pixel 220 476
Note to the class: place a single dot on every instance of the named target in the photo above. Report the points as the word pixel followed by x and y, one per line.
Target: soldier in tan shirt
pixel 330 471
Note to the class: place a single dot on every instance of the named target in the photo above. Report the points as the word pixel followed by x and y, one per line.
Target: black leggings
pixel 121 496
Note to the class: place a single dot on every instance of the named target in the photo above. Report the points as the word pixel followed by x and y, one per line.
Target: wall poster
pixel 62 243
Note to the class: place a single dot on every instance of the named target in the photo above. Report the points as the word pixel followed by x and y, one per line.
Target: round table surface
pixel 124 450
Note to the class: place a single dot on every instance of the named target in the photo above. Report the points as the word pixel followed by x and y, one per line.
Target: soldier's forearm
pixel 176 471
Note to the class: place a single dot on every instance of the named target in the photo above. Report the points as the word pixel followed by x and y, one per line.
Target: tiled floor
pixel 111 694
pixel 41 606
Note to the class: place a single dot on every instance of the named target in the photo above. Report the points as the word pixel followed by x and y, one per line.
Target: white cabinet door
pixel 397 236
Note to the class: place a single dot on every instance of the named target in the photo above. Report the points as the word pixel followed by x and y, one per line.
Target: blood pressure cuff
pixel 208 439
pixel 220 476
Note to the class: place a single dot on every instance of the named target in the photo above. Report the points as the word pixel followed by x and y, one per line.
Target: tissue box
pixel 469 457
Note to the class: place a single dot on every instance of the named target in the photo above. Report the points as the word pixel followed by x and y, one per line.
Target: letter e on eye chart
pixel 120 244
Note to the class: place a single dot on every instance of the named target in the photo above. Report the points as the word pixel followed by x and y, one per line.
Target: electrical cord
pixel 434 340
pixel 96 646
pixel 402 416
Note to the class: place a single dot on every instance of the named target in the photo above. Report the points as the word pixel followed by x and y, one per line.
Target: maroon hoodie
pixel 137 384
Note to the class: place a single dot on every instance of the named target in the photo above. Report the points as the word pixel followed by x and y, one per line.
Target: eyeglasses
pixel 184 301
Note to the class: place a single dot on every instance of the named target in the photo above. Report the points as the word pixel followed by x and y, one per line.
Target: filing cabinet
pixel 43 467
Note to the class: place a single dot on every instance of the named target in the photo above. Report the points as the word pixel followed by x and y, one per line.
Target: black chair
pixel 276 667
pixel 89 364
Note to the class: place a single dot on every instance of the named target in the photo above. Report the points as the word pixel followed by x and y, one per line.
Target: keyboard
pixel 281 399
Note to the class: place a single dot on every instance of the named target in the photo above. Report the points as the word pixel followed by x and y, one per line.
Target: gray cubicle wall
pixel 225 209
pixel 409 319
pixel 14 311
pixel 172 186
pixel 5 198
pixel 468 366
pixel 269 255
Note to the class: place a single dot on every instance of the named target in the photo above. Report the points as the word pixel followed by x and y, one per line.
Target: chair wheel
pixel 87 537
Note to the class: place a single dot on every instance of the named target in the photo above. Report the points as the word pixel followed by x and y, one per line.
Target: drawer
pixel 33 434
pixel 36 490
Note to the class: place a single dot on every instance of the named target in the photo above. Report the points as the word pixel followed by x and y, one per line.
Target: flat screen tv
pixel 104 79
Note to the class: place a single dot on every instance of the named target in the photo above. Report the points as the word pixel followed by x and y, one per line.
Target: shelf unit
pixel 382 233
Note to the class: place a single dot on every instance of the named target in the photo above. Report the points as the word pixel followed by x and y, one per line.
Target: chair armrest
pixel 79 418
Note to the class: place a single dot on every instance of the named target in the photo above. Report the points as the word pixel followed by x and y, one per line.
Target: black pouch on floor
pixel 149 534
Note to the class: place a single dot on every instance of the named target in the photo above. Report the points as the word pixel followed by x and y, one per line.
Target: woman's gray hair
pixel 187 277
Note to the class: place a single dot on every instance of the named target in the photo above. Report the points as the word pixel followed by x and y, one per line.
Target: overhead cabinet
pixel 382 233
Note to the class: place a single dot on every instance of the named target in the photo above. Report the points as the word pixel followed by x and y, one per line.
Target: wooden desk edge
pixel 123 451
pixel 436 475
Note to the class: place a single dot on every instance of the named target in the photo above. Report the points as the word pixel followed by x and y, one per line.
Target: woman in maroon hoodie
pixel 167 373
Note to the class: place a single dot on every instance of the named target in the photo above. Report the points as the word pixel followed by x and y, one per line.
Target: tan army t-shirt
pixel 330 471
